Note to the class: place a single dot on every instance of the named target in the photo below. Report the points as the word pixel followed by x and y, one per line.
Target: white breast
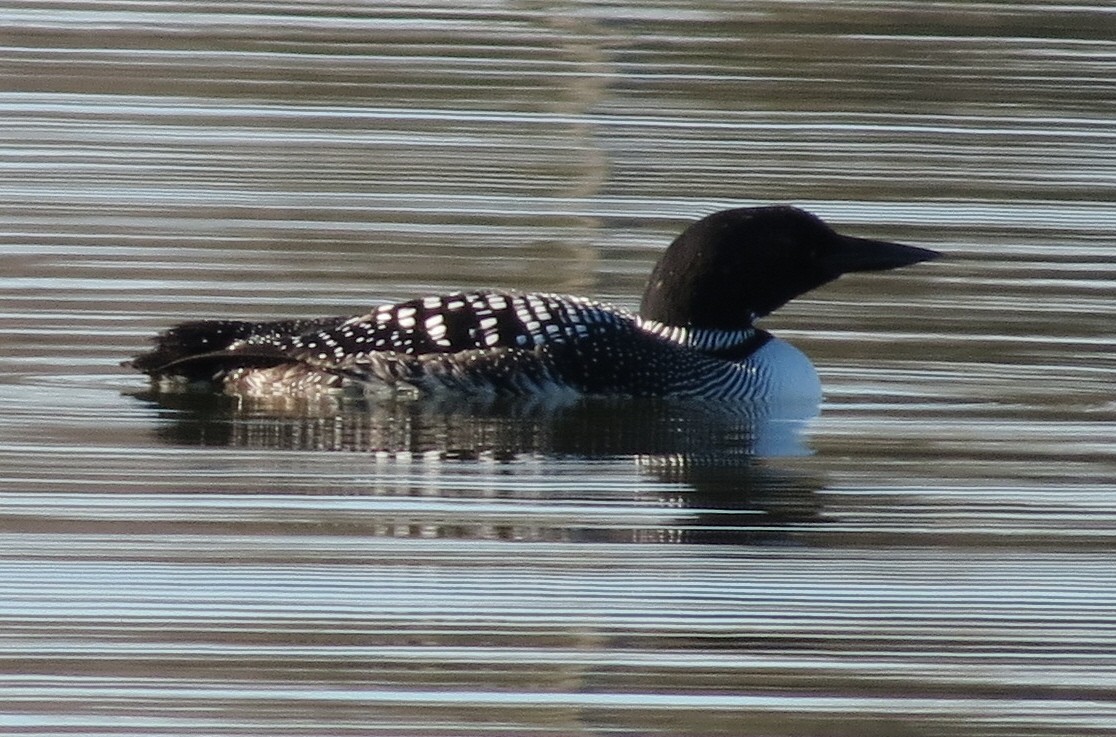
pixel 786 374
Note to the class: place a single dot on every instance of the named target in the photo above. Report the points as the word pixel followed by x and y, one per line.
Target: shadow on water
pixel 712 464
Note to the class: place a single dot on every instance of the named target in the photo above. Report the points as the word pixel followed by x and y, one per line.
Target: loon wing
pixel 517 371
pixel 454 323
pixel 488 334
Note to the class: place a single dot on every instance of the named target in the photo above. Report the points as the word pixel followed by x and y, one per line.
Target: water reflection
pixel 709 465
pixel 258 571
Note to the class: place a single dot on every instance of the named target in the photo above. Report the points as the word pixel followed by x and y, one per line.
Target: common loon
pixel 694 336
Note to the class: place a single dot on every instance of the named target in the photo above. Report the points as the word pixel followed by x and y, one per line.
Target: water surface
pixel 931 555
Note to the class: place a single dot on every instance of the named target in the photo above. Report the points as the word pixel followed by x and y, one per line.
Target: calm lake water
pixel 932 555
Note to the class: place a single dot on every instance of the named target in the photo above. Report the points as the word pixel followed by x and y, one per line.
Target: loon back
pixel 694 337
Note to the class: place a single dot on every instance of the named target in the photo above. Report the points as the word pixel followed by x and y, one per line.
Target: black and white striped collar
pixel 740 341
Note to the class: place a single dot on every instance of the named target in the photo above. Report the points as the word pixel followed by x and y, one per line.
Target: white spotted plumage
pixel 495 342
pixel 491 341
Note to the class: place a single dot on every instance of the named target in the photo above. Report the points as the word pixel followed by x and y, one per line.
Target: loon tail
pixel 212 350
pixel 189 341
pixel 195 350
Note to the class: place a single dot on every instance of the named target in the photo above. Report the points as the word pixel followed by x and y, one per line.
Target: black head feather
pixel 738 264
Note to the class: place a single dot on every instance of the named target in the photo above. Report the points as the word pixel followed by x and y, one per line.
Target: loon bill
pixel 694 336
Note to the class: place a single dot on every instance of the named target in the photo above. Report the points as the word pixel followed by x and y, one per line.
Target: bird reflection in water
pixel 713 465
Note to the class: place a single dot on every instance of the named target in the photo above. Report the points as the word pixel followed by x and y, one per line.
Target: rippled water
pixel 932 555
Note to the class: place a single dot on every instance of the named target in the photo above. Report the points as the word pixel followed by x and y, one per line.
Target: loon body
pixel 694 336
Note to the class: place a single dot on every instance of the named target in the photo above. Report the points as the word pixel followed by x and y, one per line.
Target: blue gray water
pixel 933 554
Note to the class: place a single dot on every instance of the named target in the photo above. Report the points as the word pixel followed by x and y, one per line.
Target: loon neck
pixel 721 342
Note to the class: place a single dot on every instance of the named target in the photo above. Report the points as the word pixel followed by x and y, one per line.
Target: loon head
pixel 735 265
